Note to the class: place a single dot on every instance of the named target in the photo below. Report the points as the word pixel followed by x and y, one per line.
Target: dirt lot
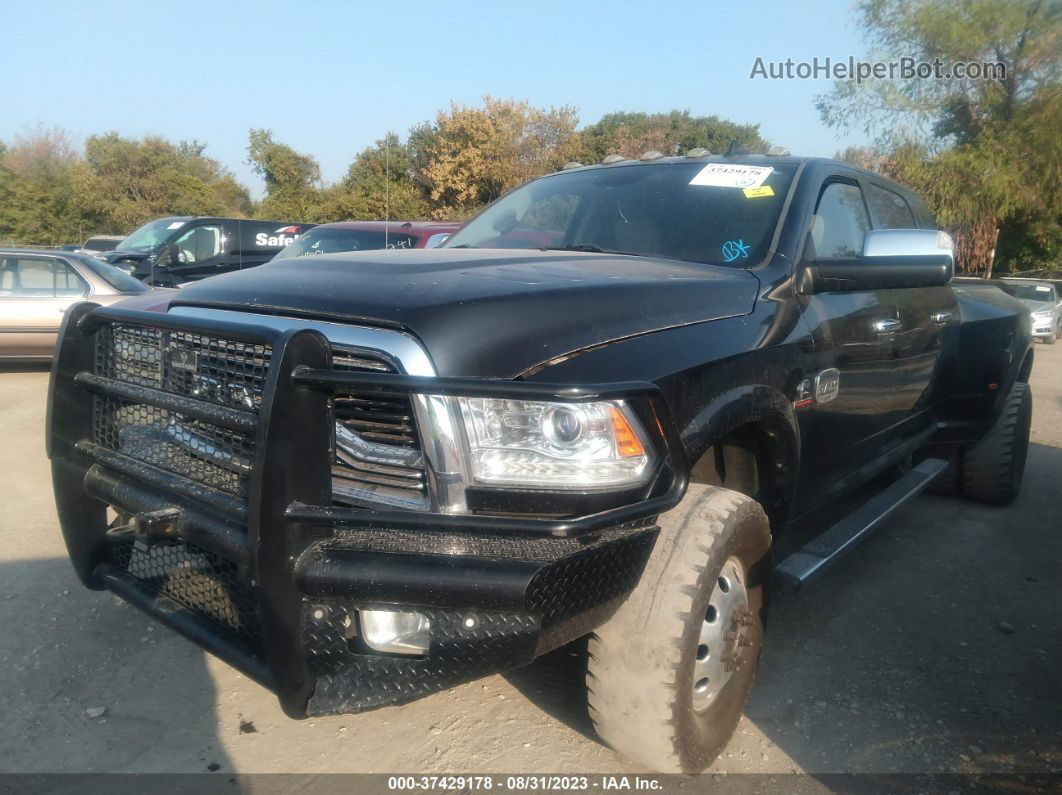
pixel 936 647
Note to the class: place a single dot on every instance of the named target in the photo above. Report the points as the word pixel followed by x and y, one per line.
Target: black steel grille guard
pixel 288 508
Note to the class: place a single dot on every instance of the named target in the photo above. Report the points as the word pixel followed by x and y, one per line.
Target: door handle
pixel 887 326
pixel 941 318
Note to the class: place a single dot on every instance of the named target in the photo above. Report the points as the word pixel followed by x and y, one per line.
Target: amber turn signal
pixel 627 441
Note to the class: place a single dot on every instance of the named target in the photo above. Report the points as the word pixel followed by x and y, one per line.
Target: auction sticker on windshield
pixel 725 175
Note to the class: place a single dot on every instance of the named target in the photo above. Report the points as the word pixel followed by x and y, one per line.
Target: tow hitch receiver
pixel 150 526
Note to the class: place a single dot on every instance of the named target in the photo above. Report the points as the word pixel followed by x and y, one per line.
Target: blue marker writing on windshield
pixel 733 249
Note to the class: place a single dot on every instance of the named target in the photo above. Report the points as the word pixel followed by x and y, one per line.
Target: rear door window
pixel 889 209
pixel 38 277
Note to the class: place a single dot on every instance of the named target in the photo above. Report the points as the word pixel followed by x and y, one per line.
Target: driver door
pixel 200 251
pixel 853 379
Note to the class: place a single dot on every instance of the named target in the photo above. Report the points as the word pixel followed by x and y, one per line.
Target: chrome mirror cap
pixel 908 243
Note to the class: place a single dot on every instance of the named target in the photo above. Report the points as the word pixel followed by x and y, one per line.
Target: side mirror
pixel 891 259
pixel 173 255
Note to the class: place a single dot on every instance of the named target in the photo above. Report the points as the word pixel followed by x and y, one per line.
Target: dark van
pixel 183 248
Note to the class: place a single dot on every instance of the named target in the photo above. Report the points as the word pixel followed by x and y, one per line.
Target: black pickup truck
pixel 620 402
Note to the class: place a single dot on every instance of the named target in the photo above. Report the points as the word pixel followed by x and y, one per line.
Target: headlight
pixel 562 446
pixel 1042 315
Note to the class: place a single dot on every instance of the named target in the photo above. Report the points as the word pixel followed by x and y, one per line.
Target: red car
pixel 366 235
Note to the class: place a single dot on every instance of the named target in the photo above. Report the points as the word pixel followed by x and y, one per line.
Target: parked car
pixel 98 244
pixel 364 477
pixel 1044 302
pixel 365 235
pixel 37 287
pixel 170 251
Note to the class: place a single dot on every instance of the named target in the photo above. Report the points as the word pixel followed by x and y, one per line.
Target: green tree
pixel 986 153
pixel 292 180
pixel 674 133
pixel 379 185
pixel 470 156
pixel 38 204
pixel 129 181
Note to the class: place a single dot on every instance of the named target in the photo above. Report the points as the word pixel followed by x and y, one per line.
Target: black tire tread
pixel 992 467
pixel 633 677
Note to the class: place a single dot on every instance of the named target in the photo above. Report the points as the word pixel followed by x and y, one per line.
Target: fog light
pixel 395 631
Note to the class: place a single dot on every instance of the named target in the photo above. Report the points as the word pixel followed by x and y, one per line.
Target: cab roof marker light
pixel 652 154
pixel 610 159
pixel 571 164
pixel 698 151
pixel 779 151
pixel 736 149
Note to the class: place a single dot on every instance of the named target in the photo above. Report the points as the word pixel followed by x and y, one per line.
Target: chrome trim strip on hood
pixel 408 354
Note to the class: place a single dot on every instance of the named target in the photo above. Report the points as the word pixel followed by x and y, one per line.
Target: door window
pixel 200 244
pixel 889 209
pixel 30 277
pixel 840 223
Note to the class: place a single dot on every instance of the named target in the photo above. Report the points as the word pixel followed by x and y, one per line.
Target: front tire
pixel 670 672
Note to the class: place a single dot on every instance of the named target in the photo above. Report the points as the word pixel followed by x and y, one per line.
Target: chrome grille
pixel 377 452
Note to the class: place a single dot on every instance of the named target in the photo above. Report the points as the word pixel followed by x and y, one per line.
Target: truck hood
pixel 488 312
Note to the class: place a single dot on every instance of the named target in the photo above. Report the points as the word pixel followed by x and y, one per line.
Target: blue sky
pixel 331 77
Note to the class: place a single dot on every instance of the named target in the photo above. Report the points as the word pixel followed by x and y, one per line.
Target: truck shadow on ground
pixel 95 685
pixel 934 647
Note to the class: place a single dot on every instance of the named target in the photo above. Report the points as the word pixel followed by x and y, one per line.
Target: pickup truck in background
pixel 620 402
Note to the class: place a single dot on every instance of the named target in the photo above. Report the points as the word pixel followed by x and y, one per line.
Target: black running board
pixel 820 553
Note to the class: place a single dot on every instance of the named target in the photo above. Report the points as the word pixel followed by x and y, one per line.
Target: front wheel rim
pixel 724 644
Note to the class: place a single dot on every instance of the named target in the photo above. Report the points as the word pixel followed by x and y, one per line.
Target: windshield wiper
pixel 464 245
pixel 589 248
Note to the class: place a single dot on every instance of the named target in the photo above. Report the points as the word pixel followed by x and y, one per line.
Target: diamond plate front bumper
pixel 271 577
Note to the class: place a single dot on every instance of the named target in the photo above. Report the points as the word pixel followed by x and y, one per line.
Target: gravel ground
pixel 935 647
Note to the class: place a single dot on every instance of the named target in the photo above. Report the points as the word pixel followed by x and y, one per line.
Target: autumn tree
pixel 674 133
pixel 470 156
pixel 38 202
pixel 986 153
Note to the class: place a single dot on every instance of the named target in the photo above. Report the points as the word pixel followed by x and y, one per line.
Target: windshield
pixel 325 240
pixel 1030 292
pixel 717 213
pixel 150 235
pixel 118 279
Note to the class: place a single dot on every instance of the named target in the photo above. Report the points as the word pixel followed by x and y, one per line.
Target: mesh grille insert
pixel 192 365
pixel 196 579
